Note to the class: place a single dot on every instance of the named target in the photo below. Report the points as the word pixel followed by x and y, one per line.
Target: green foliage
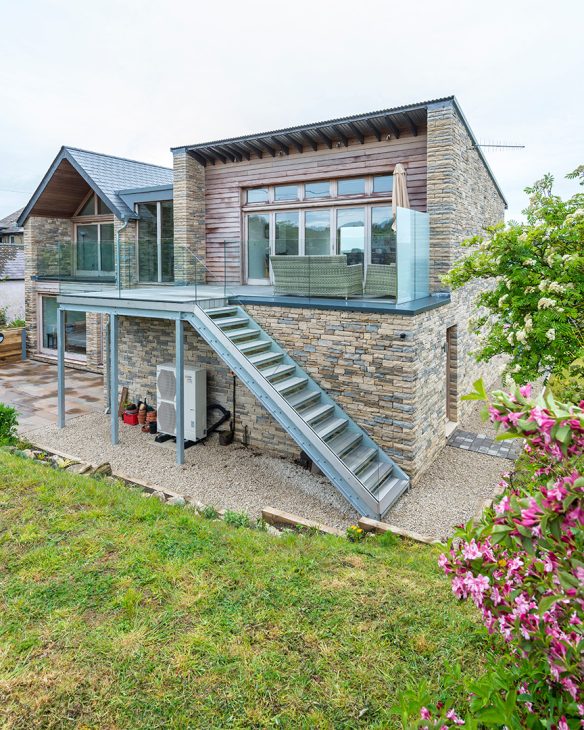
pixel 236 519
pixel 209 512
pixel 355 533
pixel 534 313
pixel 3 316
pixel 118 612
pixel 17 323
pixel 8 425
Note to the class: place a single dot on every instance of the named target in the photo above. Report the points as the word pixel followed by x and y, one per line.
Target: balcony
pixel 397 274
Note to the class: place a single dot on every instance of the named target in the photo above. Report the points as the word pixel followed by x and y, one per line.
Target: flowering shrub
pixel 523 567
pixel 355 533
pixel 534 313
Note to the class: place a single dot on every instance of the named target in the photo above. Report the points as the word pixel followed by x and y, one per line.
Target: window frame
pixel 99 271
pixel 158 203
pixel 50 352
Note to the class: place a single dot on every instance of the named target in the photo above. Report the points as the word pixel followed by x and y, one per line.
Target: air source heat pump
pixel 195 400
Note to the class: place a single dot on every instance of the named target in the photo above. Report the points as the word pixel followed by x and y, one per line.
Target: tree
pixel 534 314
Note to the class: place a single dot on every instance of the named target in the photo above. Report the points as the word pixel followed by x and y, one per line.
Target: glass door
pixel 258 248
pixel 351 234
pixel 95 249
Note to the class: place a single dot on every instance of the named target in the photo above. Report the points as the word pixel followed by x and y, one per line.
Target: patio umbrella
pixel 399 198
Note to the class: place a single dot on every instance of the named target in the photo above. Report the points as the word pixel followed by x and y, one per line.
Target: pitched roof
pixel 9 224
pixel 11 261
pixel 106 175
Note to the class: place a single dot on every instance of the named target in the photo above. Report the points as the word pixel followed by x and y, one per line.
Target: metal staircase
pixel 356 466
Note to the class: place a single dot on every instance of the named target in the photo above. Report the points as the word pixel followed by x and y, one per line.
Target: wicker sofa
pixel 317 276
pixel 380 280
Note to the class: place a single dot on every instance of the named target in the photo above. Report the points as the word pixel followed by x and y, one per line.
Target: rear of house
pixel 300 259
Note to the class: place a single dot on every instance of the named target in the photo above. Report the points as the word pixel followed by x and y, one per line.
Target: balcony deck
pixel 183 298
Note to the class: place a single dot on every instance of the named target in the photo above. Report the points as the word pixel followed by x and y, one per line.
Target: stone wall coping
pixel 418 306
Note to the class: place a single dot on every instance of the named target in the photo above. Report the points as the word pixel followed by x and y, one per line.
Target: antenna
pixel 497 146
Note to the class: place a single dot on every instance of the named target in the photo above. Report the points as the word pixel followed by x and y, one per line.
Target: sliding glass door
pixel 258 248
pixel 155 242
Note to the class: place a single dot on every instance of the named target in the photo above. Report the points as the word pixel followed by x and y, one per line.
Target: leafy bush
pixel 236 519
pixel 17 323
pixel 523 568
pixel 3 317
pixel 8 425
pixel 534 313
pixel 209 512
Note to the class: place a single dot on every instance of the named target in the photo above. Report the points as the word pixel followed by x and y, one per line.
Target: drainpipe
pixel 107 326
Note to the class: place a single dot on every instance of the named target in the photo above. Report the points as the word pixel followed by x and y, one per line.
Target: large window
pixel 315 190
pixel 287 239
pixel 317 232
pixel 258 247
pixel 75 329
pixel 95 248
pixel 94 205
pixel 383 238
pixel 351 234
pixel 156 241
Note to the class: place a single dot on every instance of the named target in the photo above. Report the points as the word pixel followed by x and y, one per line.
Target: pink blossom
pixel 563 723
pixel 451 715
pixel 525 390
pixel 471 550
pixel 425 713
pixel 503 506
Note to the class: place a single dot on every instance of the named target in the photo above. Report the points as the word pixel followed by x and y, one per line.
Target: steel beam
pixel 60 367
pixel 113 353
pixel 180 392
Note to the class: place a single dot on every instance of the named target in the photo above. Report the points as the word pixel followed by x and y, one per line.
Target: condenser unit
pixel 195 401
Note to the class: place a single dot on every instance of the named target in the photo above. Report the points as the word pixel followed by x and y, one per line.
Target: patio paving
pixel 31 387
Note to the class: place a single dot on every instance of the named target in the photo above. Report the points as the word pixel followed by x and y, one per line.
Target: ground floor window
pixel 363 233
pixel 95 248
pixel 156 242
pixel 75 329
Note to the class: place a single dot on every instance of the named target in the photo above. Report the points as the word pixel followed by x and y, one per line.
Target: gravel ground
pixel 450 492
pixel 227 477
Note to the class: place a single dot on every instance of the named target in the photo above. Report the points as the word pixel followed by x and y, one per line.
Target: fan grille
pixel 167 384
pixel 166 418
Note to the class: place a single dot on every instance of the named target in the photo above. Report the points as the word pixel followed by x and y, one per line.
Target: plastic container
pixel 131 419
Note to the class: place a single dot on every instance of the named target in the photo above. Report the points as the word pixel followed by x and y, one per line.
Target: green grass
pixel 121 612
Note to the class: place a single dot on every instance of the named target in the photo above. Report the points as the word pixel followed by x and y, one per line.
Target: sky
pixel 135 77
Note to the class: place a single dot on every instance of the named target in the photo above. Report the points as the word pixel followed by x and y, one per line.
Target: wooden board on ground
pixel 277 517
pixel 369 525
pixel 11 345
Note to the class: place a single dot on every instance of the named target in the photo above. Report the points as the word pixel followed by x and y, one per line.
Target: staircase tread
pixel 297 400
pixel 220 310
pixel 231 321
pixel 315 411
pixel 341 443
pixel 253 345
pixel 357 458
pixel 241 333
pixel 279 369
pixel 375 474
pixel 265 357
pixel 290 383
pixel 330 426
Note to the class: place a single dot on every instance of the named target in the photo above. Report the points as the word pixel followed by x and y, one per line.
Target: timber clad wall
pixel 223 184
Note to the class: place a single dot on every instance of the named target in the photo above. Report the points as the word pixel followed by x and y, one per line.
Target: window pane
pixel 75 328
pixel 317 233
pixel 287 234
pixel 351 234
pixel 258 247
pixel 317 190
pixel 383 183
pixel 382 237
pixel 89 207
pixel 257 195
pixel 147 245
pixel 87 258
pixel 75 333
pixel 354 186
pixel 286 192
pixel 49 323
pixel 167 240
pixel 102 208
pixel 106 232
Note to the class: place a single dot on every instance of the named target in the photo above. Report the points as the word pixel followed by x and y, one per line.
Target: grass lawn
pixel 120 612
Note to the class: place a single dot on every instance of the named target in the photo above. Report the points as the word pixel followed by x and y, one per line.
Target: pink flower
pixel 471 550
pixel 503 506
pixel 451 715
pixel 563 723
pixel 525 390
pixel 425 713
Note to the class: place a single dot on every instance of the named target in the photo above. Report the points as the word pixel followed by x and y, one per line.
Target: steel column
pixel 113 364
pixel 180 393
pixel 60 368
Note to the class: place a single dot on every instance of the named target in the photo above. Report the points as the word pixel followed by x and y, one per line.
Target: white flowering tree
pixel 534 313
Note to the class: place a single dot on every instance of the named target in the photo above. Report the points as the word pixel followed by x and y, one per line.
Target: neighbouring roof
pixel 74 172
pixel 10 223
pixel 393 121
pixel 11 261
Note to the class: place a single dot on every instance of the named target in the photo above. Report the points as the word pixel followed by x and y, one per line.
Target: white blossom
pixel 530 262
pixel 551 334
pixel 521 336
pixel 502 299
pixel 545 303
pixel 528 323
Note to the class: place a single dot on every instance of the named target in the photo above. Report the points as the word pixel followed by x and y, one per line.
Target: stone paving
pixel 483 444
pixel 31 387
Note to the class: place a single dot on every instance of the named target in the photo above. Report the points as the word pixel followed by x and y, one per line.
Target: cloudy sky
pixel 134 77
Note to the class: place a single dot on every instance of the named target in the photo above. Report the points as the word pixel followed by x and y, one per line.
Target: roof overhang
pixel 382 124
pixel 153 193
pixel 62 190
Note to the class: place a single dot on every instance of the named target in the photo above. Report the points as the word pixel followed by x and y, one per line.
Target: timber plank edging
pixel 278 517
pixel 370 525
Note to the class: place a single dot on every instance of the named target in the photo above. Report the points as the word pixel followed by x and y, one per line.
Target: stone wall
pixel 189 218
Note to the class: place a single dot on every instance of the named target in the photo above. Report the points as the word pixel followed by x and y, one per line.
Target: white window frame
pixel 99 271
pixel 46 351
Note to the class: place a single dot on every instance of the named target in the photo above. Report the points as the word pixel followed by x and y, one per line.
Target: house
pixel 11 267
pixel 307 261
pixel 10 231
